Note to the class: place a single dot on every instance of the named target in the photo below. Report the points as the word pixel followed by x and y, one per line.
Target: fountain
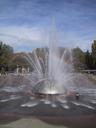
pixel 49 88
pixel 53 70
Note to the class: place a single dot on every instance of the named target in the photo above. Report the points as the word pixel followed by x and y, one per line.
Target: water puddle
pixel 43 100
pixel 47 102
pixel 30 104
pixel 12 89
pixel 13 97
pixel 93 101
pixel 65 106
pixel 32 98
pixel 84 105
pixel 62 101
pixel 87 106
pixel 53 105
pixel 75 103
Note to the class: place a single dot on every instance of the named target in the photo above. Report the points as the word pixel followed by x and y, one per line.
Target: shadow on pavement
pixel 8 118
pixel 72 122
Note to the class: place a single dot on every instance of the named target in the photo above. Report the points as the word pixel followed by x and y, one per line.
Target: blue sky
pixel 25 24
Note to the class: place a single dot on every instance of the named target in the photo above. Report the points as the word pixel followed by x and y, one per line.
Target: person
pixel 77 96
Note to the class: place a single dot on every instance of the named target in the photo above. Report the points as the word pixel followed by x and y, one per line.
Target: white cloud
pixel 73 40
pixel 21 36
pixel 22 32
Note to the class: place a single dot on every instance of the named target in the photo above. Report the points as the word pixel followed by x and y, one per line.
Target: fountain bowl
pixel 46 88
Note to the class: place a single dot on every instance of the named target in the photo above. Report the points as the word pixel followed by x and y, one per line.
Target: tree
pixel 94 53
pixel 79 58
pixel 89 60
pixel 6 53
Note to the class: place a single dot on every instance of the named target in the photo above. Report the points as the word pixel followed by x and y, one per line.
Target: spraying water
pixel 53 70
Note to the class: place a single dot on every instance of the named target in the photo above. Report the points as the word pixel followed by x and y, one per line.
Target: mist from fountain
pixel 53 71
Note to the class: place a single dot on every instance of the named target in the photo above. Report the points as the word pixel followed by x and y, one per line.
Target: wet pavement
pixel 17 105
